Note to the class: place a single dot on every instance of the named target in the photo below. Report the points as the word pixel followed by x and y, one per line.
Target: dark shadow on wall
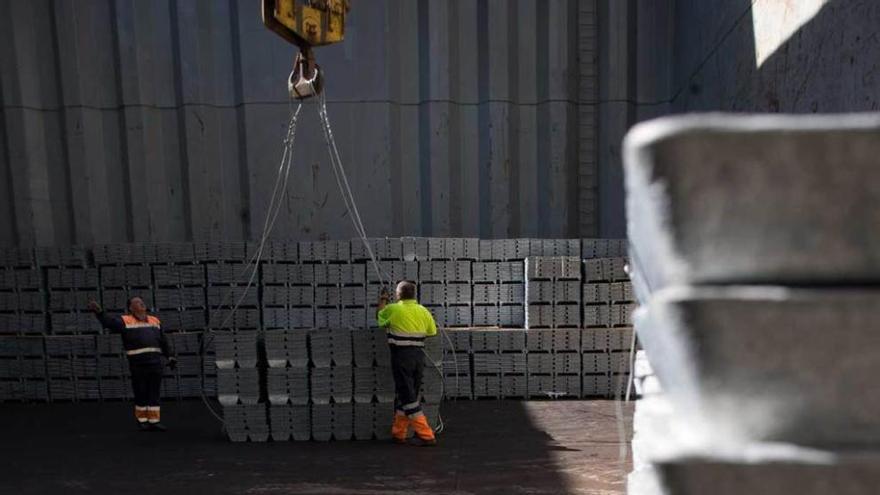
pixel 713 53
pixel 829 64
pixel 654 58
pixel 699 56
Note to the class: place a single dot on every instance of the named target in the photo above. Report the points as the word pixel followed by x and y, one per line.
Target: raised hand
pixel 94 307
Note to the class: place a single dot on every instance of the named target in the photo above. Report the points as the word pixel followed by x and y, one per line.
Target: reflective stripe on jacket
pixel 138 337
pixel 407 323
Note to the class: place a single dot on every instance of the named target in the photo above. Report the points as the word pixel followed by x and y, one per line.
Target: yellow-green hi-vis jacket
pixel 407 323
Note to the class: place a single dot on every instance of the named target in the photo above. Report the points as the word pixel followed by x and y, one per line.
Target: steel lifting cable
pixel 354 214
pixel 272 212
pixel 344 187
pixel 253 263
pixel 275 204
pixel 284 168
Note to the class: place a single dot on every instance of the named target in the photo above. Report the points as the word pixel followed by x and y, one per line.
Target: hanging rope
pixel 355 216
pixel 345 188
pixel 275 204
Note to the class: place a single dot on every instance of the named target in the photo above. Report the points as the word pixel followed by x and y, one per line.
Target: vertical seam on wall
pixel 425 130
pixel 393 80
pixel 631 71
pixel 10 192
pixel 217 214
pixel 485 199
pixel 513 123
pixel 123 124
pixel 243 170
pixel 454 123
pixel 602 63
pixel 542 69
pixel 589 222
pixel 181 121
pixel 25 229
pixel 62 125
pixel 10 187
pixel 572 124
pixel 4 140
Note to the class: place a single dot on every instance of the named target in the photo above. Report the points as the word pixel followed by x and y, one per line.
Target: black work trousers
pixel 407 366
pixel 146 380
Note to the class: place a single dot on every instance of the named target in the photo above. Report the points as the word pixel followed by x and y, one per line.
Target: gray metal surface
pixel 137 120
pixel 666 463
pixel 754 363
pixel 759 199
pixel 834 473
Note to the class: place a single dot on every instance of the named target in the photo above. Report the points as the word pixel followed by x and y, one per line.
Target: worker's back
pixel 407 322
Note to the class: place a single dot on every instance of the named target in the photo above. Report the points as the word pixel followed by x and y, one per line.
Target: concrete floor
pixel 505 447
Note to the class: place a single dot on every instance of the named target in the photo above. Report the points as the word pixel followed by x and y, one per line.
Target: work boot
pixel 399 427
pixel 424 432
pixel 157 427
pixel 418 442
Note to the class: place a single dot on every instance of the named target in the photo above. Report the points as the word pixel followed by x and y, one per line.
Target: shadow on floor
pixel 488 447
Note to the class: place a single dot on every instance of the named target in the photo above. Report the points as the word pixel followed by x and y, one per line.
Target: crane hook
pixel 306 79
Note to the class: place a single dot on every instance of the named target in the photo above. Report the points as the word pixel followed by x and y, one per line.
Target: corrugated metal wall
pixel 158 120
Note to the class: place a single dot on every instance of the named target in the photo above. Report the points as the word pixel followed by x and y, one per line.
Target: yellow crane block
pixel 307 23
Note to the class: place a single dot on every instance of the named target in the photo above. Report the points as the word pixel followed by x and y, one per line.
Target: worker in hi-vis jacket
pixel 407 324
pixel 145 344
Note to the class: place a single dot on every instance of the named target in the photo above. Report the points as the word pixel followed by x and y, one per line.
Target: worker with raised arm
pixel 145 344
pixel 407 324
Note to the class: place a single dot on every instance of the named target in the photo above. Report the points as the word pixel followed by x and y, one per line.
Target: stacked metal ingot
pixel 335 384
pixel 753 243
pixel 238 386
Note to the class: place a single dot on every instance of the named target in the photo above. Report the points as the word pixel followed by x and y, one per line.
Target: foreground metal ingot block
pixel 848 474
pixel 750 363
pixel 754 199
pixel 668 460
pixel 812 473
